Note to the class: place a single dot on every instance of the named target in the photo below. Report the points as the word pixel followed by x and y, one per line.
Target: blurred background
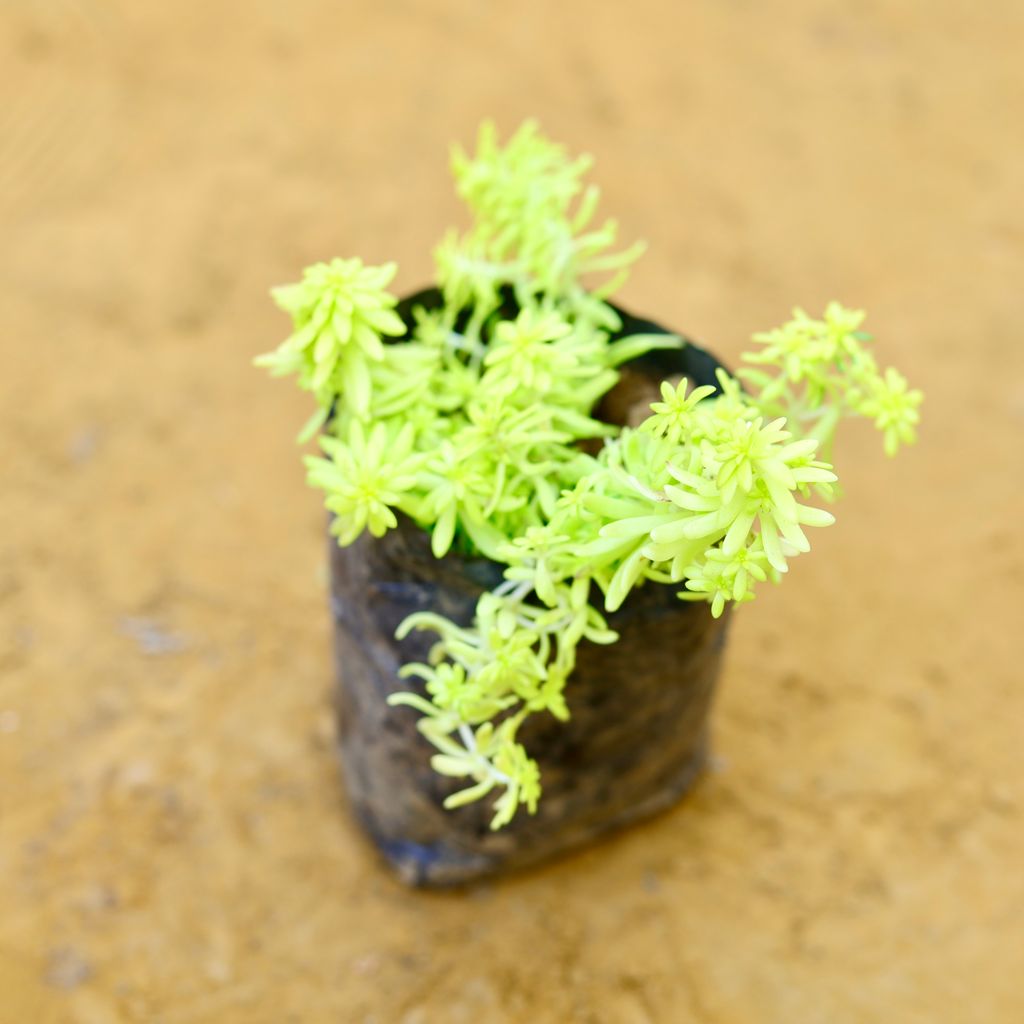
pixel 174 846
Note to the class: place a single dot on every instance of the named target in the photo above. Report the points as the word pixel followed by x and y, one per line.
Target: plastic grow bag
pixel 637 736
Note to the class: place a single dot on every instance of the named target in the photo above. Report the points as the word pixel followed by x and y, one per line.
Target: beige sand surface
pixel 173 844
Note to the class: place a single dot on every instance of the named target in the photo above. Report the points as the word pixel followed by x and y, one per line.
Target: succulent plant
pixel 472 423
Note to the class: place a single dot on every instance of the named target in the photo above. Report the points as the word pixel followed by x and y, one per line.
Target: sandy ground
pixel 174 847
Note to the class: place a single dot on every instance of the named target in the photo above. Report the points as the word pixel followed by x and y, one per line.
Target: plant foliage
pixel 472 426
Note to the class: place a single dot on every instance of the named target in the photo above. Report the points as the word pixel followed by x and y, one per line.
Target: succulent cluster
pixel 474 424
